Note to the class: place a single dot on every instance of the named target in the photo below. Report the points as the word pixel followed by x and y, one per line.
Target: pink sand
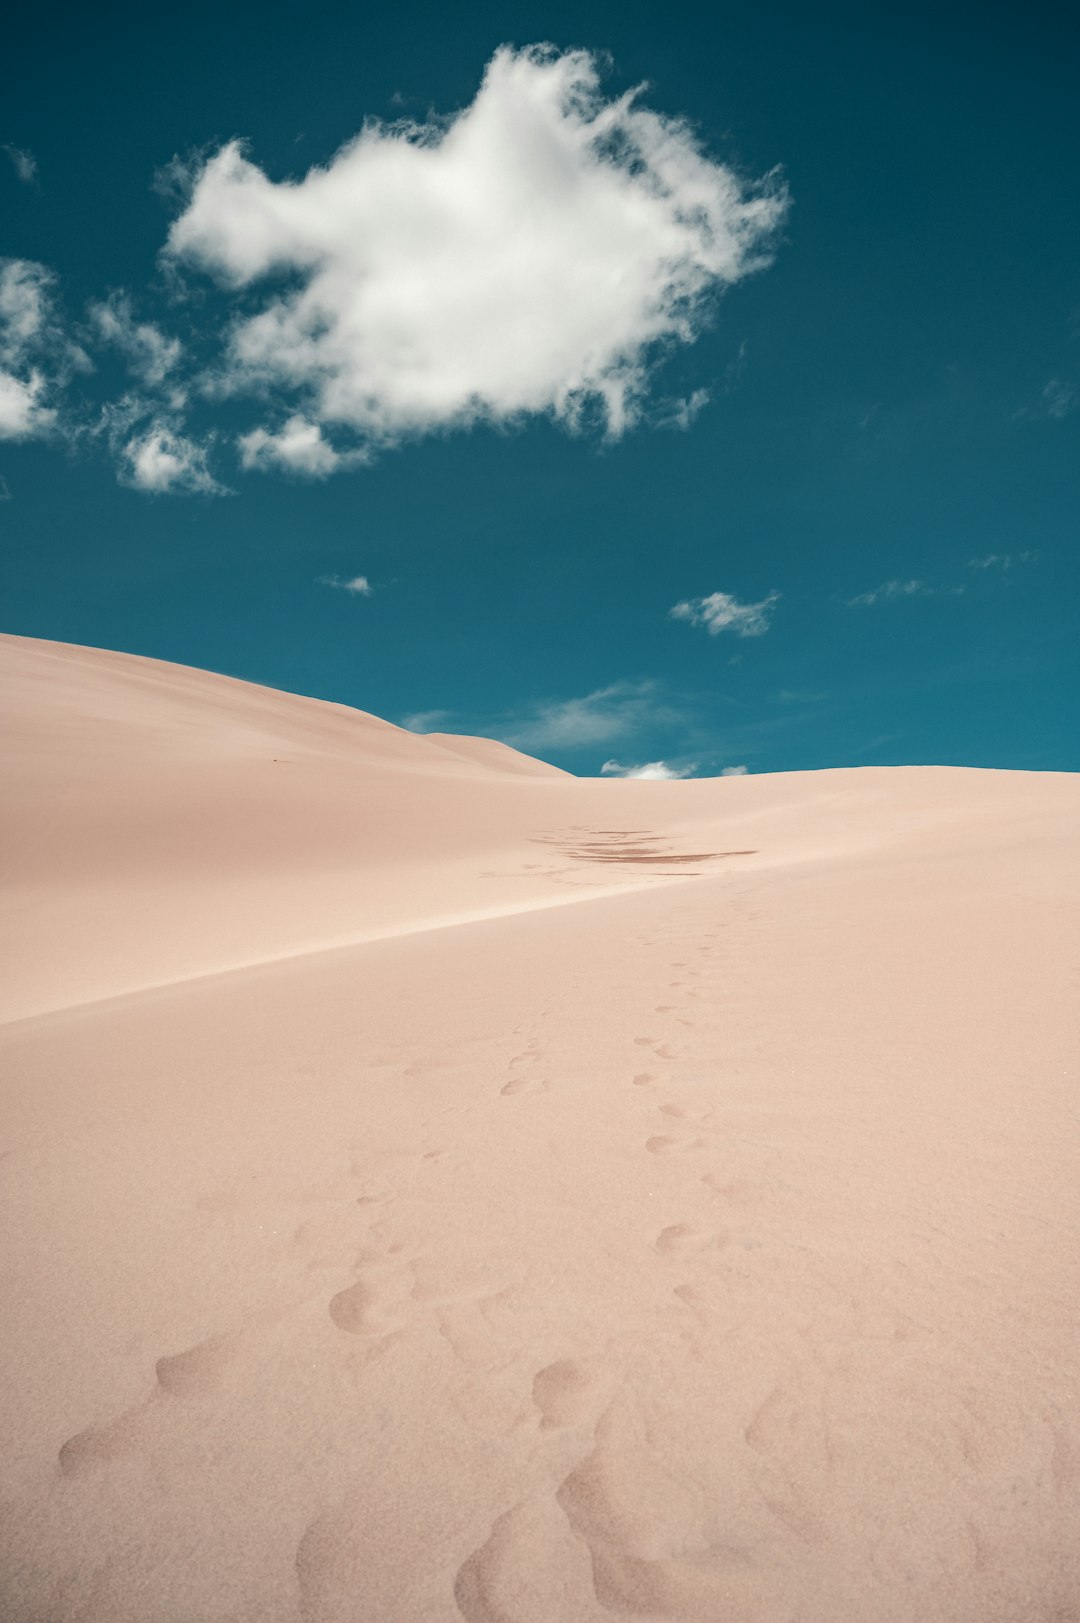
pixel 429 1195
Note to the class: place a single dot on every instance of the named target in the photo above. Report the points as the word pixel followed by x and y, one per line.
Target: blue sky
pixel 788 344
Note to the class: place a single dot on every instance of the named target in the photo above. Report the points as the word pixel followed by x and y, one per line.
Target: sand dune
pixel 437 1187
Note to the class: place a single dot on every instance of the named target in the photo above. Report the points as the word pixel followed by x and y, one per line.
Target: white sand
pixel 412 1213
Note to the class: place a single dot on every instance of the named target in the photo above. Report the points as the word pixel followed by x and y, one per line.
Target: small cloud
pixel 735 368
pixel 298 447
pixel 161 461
pixel 681 414
pixel 798 696
pixel 1058 398
pixel 889 591
pixel 358 585
pixel 23 162
pixel 5 491
pixel 151 354
pixel 1004 560
pixel 652 769
pixel 720 611
pixel 23 414
pixel 734 771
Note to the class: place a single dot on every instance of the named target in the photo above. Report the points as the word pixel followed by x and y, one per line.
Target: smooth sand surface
pixel 436 1187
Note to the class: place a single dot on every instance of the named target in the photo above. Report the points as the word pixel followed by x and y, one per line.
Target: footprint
pixel 371 1307
pixel 351 1309
pixel 677 1112
pixel 736 1192
pixel 698 1301
pixel 530 1565
pixel 564 1393
pixel 644 1079
pixel 523 1084
pixel 682 1237
pixel 199 1370
pixel 467 1328
pixel 653 1542
pixel 666 1144
pixel 660 1049
pixel 99 1445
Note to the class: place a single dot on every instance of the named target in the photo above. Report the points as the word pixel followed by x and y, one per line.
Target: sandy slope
pixel 668 1235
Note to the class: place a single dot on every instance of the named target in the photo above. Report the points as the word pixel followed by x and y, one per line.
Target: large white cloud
pixel 534 254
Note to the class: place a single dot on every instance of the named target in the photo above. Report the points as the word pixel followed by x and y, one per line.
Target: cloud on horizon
pixel 537 253
pixel 426 721
pixel 720 611
pixel 658 770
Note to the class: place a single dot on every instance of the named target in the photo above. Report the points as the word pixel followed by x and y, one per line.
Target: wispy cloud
pixel 889 591
pixel 1058 398
pixel 720 611
pixel 1004 560
pixel 682 414
pixel 734 771
pixel 651 769
pixel 601 717
pixel 23 162
pixel 151 354
pixel 357 585
pixel 426 721
pixel 538 253
pixel 36 357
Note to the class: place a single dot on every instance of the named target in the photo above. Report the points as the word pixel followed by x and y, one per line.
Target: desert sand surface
pixel 436 1187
